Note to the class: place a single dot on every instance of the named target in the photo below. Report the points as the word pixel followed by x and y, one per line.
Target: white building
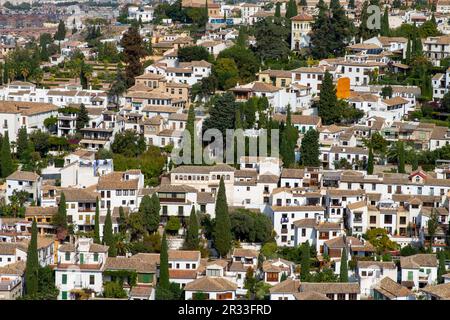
pixel 79 268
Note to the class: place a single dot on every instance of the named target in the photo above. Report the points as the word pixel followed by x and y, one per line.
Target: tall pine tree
pixel 60 219
pixel 328 104
pixel 370 162
pixel 305 262
pixel 108 238
pixel 32 264
pixel 309 149
pixel 164 264
pixel 97 223
pixel 222 229
pixel 343 274
pixel 5 157
pixel 192 240
pixel 385 31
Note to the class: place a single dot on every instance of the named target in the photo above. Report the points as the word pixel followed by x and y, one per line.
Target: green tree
pixel 309 149
pixel 278 10
pixel 291 9
pixel 222 113
pixel 173 225
pixel 193 53
pixel 289 136
pixel 191 242
pixel 32 264
pixel 222 228
pixel 227 73
pixel 22 144
pixel 385 30
pixel 441 268
pixel 327 105
pixel 82 117
pixel 133 51
pixel 97 222
pixel 370 162
pixel 5 157
pixel 164 264
pixel 246 62
pixel 108 238
pixel 401 157
pixel 343 274
pixel 305 261
pixel 61 32
pixel 271 39
pixel 149 209
pixel 60 219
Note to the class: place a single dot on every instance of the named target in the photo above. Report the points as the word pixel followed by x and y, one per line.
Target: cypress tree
pixel 309 149
pixel 82 118
pixel 61 32
pixel 108 238
pixel 343 276
pixel 222 232
pixel 289 138
pixel 401 157
pixel 291 9
pixel 408 52
pixel 97 223
pixel 164 265
pixel 370 162
pixel 190 127
pixel 60 219
pixel 385 23
pixel 278 10
pixel 32 264
pixel 192 240
pixel 441 268
pixel 5 157
pixel 305 262
pixel 22 143
pixel 328 110
pixel 154 219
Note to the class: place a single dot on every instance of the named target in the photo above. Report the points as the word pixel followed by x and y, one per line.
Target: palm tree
pixel 25 72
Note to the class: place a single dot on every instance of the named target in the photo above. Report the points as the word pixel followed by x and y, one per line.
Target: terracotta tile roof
pixel 26 108
pixel 33 211
pixel 132 263
pixel 441 290
pixel 238 252
pixel 391 289
pixel 23 176
pixel 8 248
pixel 311 295
pixel 115 180
pixel 175 188
pixel 184 255
pixel 325 226
pixel 395 101
pixel 79 195
pixel 292 173
pixel 305 223
pixel 298 119
pixel 419 260
pixel 141 291
pixel 16 268
pixel 297 208
pixel 330 287
pixel 182 274
pixel 356 205
pixel 205 197
pixel 203 169
pixel 286 286
pixel 211 284
pixel 268 178
pixel 378 264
